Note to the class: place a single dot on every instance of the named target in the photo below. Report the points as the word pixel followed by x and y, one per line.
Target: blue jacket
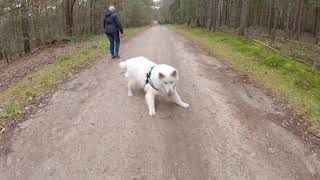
pixel 111 23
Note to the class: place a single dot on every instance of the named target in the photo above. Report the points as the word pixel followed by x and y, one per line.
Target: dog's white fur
pixel 163 77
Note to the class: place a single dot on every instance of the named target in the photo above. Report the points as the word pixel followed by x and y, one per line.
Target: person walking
pixel 113 28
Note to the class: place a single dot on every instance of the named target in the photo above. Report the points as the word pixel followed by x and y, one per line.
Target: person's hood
pixel 109 13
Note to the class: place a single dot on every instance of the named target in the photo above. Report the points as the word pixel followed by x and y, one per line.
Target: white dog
pixel 154 79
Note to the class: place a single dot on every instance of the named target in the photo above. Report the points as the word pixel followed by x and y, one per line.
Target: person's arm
pixel 118 23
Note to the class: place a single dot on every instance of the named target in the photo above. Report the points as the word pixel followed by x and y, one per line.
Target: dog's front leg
pixel 176 99
pixel 130 84
pixel 150 102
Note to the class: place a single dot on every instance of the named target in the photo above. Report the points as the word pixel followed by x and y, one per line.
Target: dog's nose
pixel 169 93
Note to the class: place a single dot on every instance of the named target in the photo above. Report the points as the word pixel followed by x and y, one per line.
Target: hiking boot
pixel 113 57
pixel 117 56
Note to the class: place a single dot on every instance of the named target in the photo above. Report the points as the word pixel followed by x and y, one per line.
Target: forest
pixel 28 24
pixel 290 19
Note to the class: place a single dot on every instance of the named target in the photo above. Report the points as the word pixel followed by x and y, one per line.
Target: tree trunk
pixel 213 26
pixel 226 11
pixel 83 26
pixel 196 19
pixel 205 13
pixel 182 18
pixel 238 13
pixel 36 26
pixel 220 6
pixel 211 14
pixel 271 16
pixel 215 19
pixel 1 56
pixel 6 56
pixel 300 16
pixel 287 31
pixel 68 10
pixel 317 37
pixel 275 25
pixel 316 19
pixel 91 17
pixel 243 17
pixel 229 14
pixel 189 21
pixel 294 23
pixel 25 28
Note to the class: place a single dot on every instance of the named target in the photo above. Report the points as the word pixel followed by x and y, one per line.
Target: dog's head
pixel 168 77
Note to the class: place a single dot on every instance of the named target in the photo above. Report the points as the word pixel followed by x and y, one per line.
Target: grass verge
pixel 16 98
pixel 297 83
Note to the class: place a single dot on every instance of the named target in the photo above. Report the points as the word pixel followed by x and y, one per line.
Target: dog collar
pixel 148 80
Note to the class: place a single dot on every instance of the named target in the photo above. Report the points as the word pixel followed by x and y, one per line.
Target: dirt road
pixel 90 129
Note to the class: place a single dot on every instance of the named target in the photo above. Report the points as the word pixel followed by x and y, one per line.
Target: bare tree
pixel 300 18
pixel 287 25
pixel 68 10
pixel 243 17
pixel 316 20
pixel 293 16
pixel 27 24
pixel 25 27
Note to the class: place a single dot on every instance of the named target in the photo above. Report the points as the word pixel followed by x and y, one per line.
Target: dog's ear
pixel 161 76
pixel 175 74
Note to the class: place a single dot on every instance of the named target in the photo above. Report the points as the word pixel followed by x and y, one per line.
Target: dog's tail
pixel 123 65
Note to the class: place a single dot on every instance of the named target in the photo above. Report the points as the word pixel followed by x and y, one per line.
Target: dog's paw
pixel 152 114
pixel 185 105
pixel 130 94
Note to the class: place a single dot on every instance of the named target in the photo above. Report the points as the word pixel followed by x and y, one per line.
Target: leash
pixel 148 80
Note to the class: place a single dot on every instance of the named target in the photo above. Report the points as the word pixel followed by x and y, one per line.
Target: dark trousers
pixel 114 39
